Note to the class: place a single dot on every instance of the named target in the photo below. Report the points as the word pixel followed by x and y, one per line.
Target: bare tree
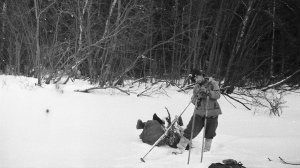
pixel 273 41
pixel 38 14
pixel 239 39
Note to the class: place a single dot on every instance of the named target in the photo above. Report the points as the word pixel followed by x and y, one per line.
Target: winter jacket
pixel 199 100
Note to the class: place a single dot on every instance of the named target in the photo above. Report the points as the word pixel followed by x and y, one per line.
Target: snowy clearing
pixel 86 130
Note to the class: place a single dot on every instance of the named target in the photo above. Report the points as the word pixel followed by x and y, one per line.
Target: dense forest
pixel 245 43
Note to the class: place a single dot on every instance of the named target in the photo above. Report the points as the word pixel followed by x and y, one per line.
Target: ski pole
pixel 163 136
pixel 205 120
pixel 192 132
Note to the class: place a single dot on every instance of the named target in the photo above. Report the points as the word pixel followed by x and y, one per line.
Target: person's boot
pixel 207 145
pixel 140 124
pixel 181 145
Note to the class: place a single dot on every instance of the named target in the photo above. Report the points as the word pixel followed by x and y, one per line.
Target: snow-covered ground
pixel 85 130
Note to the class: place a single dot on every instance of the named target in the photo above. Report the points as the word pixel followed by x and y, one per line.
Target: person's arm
pixel 214 91
pixel 195 94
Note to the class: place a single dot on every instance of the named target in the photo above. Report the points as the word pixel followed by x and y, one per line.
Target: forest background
pixel 242 43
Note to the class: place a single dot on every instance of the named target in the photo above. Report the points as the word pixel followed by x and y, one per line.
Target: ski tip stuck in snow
pixel 142 160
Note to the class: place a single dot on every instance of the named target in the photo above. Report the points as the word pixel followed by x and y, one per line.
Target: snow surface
pixel 89 130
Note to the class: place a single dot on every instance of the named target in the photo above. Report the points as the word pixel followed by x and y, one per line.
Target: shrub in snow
pixel 271 101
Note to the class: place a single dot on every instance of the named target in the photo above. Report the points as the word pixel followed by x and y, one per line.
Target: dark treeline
pixel 241 42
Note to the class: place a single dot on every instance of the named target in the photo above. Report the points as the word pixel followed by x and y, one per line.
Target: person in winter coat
pixel 204 87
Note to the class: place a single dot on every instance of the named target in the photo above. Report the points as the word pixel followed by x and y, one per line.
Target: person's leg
pixel 199 123
pixel 185 139
pixel 210 132
pixel 211 127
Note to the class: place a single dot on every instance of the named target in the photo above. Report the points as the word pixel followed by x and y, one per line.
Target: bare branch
pixel 236 100
pixel 39 14
pixel 229 101
pixel 94 88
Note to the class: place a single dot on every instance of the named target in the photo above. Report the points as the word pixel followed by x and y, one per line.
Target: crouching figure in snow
pixel 155 128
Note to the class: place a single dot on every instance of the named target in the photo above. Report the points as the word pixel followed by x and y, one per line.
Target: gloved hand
pixel 203 92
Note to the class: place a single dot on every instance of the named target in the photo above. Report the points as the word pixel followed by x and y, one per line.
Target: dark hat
pixel 195 72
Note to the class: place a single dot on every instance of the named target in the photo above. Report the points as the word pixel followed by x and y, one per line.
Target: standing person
pixel 204 87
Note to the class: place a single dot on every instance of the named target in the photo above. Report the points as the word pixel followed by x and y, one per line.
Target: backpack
pixel 228 163
pixel 152 131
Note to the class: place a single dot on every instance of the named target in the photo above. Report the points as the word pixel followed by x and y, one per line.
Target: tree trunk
pixel 151 42
pixel 2 63
pixel 107 61
pixel 238 42
pixel 190 66
pixel 90 58
pixel 81 26
pixel 37 40
pixel 38 50
pixel 17 55
pixel 214 52
pixel 273 43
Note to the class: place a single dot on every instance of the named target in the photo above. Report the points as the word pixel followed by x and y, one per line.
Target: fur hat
pixel 194 73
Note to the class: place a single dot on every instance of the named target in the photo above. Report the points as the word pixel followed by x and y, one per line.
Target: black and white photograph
pixel 149 83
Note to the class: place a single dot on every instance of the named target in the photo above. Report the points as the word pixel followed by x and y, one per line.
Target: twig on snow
pixel 94 88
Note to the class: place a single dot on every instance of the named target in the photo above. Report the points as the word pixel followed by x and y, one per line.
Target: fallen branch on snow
pixel 94 88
